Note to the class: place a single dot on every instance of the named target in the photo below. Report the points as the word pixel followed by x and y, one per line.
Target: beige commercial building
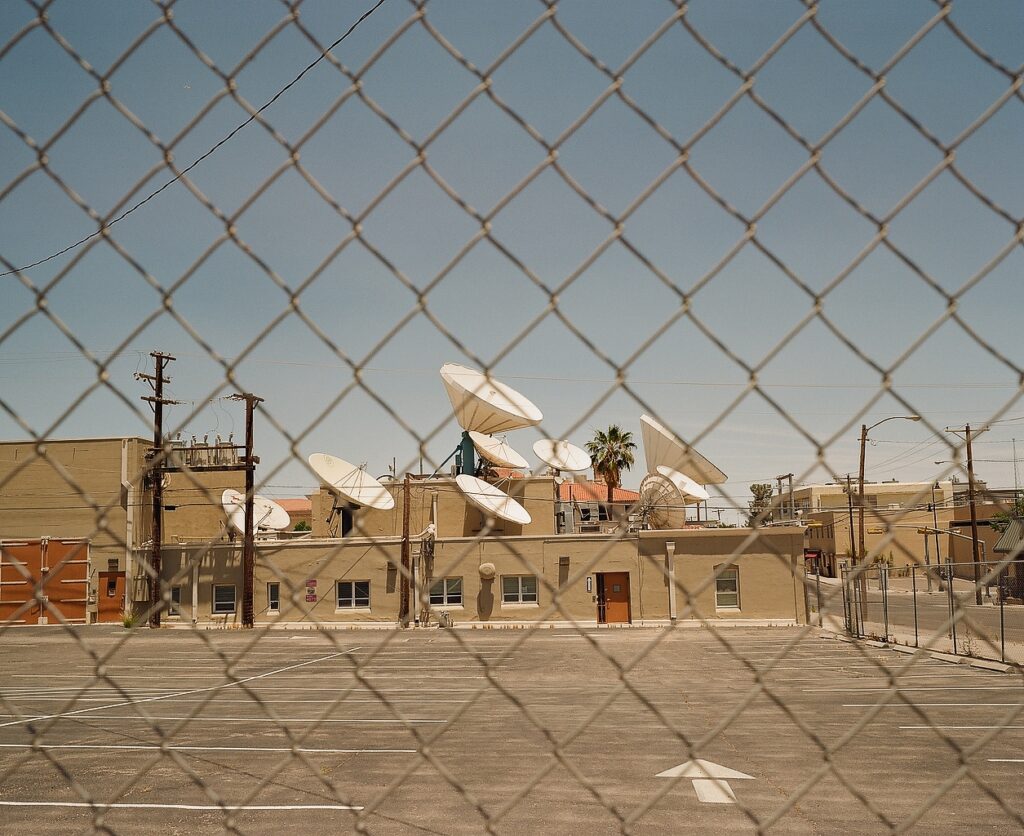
pixel 495 580
pixel 91 495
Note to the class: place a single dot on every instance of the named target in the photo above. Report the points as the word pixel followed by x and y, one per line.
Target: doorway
pixel 110 597
pixel 613 598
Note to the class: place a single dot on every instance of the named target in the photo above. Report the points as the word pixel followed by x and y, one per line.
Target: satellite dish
pixel 663 447
pixel 491 500
pixel 267 514
pixel 497 451
pixel 561 455
pixel 684 484
pixel 351 483
pixel 661 503
pixel 484 405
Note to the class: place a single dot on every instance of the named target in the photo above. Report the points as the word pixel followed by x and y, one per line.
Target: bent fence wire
pixel 927 607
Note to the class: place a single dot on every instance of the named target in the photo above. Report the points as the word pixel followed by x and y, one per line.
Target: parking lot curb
pixel 989 665
pixel 948 657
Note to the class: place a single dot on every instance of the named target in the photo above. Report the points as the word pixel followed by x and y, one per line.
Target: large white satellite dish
pixel 663 447
pixel 684 484
pixel 267 514
pixel 491 500
pixel 497 451
pixel 350 482
pixel 484 405
pixel 561 455
pixel 661 503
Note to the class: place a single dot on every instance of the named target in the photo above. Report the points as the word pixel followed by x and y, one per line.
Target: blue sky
pixel 682 267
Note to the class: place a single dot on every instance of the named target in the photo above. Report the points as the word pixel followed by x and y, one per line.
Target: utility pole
pixel 974 512
pixel 782 505
pixel 249 540
pixel 792 508
pixel 157 459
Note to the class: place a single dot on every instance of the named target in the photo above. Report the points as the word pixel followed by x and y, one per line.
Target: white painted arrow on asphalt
pixel 709 780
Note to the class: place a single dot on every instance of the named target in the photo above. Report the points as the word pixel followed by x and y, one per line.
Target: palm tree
pixel 612 452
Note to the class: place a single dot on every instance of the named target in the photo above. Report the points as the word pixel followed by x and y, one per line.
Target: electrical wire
pixel 200 159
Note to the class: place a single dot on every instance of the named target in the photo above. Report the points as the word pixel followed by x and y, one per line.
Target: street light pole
pixel 862 551
pixel 864 429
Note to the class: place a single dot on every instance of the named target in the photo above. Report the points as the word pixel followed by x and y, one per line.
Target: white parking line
pixel 934 705
pixel 204 719
pixel 900 688
pixel 970 728
pixel 158 748
pixel 178 693
pixel 220 808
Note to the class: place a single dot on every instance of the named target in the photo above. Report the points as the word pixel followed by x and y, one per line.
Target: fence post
pixel 847 611
pixel 1002 623
pixel 913 586
pixel 952 606
pixel 883 584
pixel 817 591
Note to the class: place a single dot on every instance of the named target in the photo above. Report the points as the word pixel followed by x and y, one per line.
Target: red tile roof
pixel 295 506
pixel 594 492
pixel 507 473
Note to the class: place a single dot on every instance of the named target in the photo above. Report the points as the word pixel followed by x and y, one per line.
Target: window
pixel 223 598
pixel 273 597
pixel 447 592
pixel 175 606
pixel 727 589
pixel 352 594
pixel 519 589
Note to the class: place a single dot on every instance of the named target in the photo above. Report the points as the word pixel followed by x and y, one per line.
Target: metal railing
pixel 935 607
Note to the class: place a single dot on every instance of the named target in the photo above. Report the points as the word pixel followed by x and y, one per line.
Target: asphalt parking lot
pixel 543 732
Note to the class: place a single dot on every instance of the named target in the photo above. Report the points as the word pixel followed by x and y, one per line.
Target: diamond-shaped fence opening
pixel 769 231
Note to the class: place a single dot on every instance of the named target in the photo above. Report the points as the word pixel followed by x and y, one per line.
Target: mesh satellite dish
pixel 561 455
pixel 484 405
pixel 665 448
pixel 267 514
pixel 691 491
pixel 493 501
pixel 497 451
pixel 661 503
pixel 351 483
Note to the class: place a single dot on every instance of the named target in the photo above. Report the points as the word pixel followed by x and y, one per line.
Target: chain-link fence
pixel 459 707
pixel 902 605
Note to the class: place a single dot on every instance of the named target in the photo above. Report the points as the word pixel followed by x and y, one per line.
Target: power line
pixel 196 162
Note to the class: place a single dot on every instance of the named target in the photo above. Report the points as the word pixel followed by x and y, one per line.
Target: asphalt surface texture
pixel 504 731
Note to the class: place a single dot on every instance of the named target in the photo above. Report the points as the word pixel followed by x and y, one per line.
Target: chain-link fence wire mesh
pixel 350 83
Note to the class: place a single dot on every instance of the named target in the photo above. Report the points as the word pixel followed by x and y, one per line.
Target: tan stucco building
pixel 94 492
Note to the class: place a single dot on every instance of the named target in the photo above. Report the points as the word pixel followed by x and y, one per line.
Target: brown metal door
pixel 110 596
pixel 615 589
pixel 65 572
pixel 60 567
pixel 19 568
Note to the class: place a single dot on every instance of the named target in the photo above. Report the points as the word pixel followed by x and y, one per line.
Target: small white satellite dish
pixel 663 447
pixel 661 504
pixel 491 500
pixel 484 405
pixel 561 455
pixel 685 485
pixel 353 484
pixel 497 451
pixel 267 514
